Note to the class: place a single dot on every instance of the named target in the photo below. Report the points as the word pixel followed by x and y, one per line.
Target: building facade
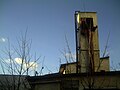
pixel 80 81
pixel 89 71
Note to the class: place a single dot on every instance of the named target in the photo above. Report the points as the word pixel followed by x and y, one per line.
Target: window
pixel 86 25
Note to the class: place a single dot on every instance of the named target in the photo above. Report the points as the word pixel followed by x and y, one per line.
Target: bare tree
pixel 18 63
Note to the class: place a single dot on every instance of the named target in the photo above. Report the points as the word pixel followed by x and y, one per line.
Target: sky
pixel 48 22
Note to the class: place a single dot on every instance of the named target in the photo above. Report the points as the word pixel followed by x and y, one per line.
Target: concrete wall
pixel 84 44
pixel 47 86
pixel 71 68
pixel 10 82
pixel 100 82
pixel 105 64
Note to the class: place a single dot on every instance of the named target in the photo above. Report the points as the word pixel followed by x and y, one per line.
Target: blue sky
pixel 48 21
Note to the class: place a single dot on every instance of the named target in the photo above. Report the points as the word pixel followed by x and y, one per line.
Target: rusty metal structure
pixel 87 44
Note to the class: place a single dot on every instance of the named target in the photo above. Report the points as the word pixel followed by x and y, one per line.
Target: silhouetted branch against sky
pixel 19 59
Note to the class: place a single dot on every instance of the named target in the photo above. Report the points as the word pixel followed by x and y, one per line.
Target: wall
pixel 47 86
pixel 105 64
pixel 100 82
pixel 88 42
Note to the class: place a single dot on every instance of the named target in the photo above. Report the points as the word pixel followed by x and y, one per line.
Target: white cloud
pixel 8 61
pixel 32 65
pixel 19 60
pixel 3 39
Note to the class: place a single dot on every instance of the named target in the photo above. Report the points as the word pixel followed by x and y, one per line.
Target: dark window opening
pixel 86 25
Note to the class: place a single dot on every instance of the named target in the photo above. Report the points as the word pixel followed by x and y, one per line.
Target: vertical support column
pixel 76 40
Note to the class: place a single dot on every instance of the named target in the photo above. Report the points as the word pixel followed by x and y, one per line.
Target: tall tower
pixel 87 44
pixel 87 47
